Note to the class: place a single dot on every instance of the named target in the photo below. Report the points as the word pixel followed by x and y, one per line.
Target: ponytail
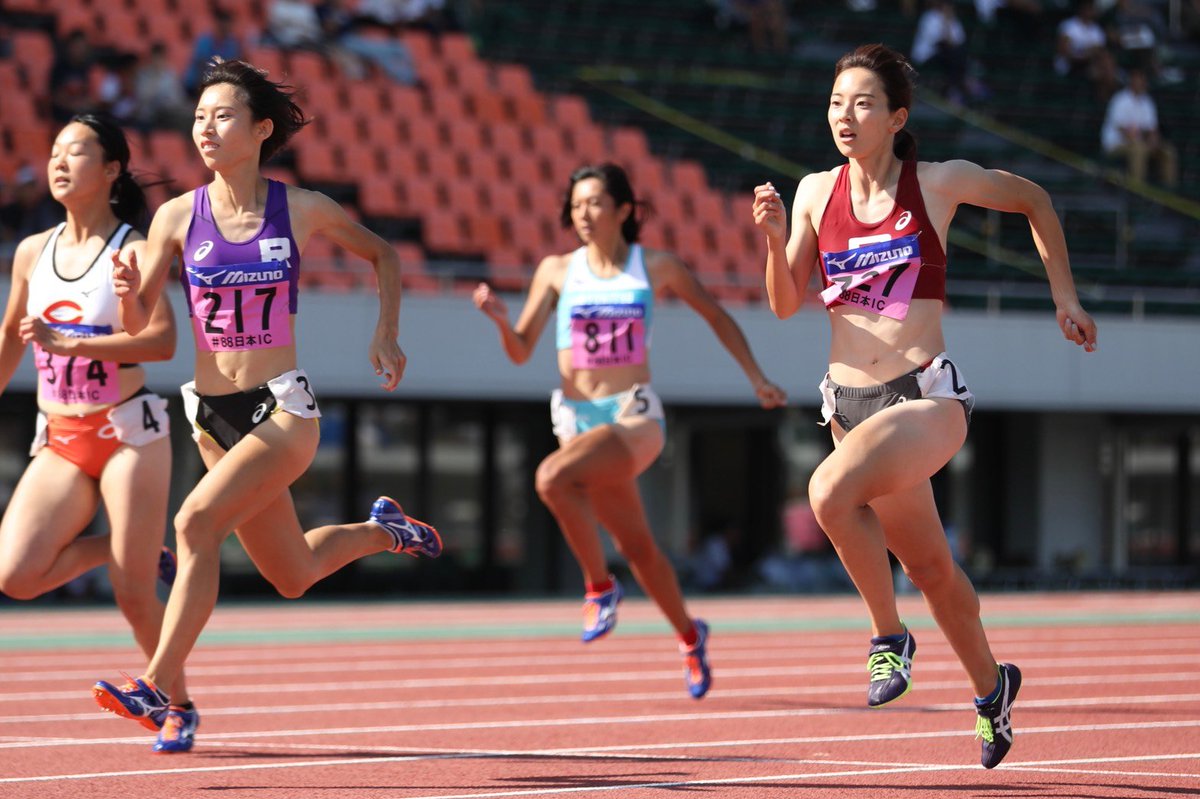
pixel 128 200
pixel 904 146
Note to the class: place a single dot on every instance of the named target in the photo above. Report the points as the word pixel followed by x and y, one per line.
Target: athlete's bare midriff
pixel 589 384
pixel 230 372
pixel 868 349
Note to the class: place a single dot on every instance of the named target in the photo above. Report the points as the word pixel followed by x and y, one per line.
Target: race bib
pixel 608 335
pixel 73 379
pixel 240 307
pixel 879 276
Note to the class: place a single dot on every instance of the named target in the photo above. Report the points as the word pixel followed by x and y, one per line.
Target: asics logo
pixel 904 219
pixel 259 413
pixel 203 250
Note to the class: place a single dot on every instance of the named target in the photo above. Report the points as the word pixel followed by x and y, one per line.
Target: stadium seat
pixel 34 52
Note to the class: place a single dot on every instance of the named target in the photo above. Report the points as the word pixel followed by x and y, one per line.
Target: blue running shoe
pixel 696 672
pixel 168 566
pixel 600 611
pixel 890 664
pixel 409 536
pixel 178 733
pixel 137 699
pixel 994 725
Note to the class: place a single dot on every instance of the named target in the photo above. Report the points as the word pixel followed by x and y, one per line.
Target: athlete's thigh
pixel 610 452
pixel 135 486
pixel 52 503
pixel 899 447
pixel 248 478
pixel 911 524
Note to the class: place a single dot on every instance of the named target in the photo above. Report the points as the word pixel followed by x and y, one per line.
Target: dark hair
pixel 897 76
pixel 126 195
pixel 616 184
pixel 267 99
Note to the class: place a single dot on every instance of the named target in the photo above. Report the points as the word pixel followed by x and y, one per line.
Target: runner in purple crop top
pixel 254 412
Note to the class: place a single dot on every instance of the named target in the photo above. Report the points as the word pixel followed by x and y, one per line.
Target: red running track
pixel 499 699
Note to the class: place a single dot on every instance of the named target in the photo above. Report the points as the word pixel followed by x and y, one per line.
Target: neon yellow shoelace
pixel 882 664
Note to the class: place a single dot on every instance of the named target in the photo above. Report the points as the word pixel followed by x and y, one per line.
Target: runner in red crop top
pixel 894 401
pixel 844 236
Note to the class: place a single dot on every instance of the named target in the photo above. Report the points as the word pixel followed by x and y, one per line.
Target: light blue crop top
pixel 607 320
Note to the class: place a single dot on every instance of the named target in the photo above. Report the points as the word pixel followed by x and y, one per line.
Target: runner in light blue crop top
pixel 605 320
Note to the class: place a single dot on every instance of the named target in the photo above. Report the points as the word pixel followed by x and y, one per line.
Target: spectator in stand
pixel 1190 19
pixel 116 93
pixel 221 41
pixel 162 101
pixel 1131 132
pixel 70 86
pixel 1083 51
pixel 940 44
pixel 340 28
pixel 293 25
pixel 1138 30
pixel 30 210
pixel 1024 14
pixel 431 15
pixel 768 23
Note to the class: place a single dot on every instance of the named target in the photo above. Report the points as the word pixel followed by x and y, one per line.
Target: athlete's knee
pixel 137 601
pixel 933 574
pixel 552 481
pixel 196 527
pixel 290 586
pixel 20 583
pixel 830 496
pixel 637 549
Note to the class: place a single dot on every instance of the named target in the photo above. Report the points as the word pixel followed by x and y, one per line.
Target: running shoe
pixel 994 725
pixel 409 536
pixel 600 611
pixel 890 664
pixel 168 566
pixel 178 733
pixel 137 699
pixel 696 672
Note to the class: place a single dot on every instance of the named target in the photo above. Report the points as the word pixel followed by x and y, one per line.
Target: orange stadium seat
pixel 514 80
pixel 507 198
pixel 366 99
pixel 466 136
pixel 486 106
pixel 269 59
pixel 456 48
pixel 420 47
pixel 443 231
pixel 688 176
pixel 309 69
pixel 508 138
pixel 587 142
pixel 529 109
pixel 471 76
pixel 484 231
pixel 629 144
pixel 421 194
pixel 378 196
pixel 484 168
pixel 547 140
pixel 571 111
pixel 34 51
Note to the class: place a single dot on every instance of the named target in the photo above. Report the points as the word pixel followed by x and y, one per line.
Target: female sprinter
pixel 608 420
pixel 101 435
pixel 254 413
pixel 899 406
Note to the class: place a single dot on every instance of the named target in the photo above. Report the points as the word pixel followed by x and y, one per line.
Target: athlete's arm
pixel 520 340
pixel 139 276
pixel 320 214
pixel 12 346
pixel 960 182
pixel 789 265
pixel 668 272
pixel 156 342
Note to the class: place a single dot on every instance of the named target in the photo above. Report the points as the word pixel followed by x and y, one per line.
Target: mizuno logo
pixel 207 278
pixel 65 440
pixel 836 263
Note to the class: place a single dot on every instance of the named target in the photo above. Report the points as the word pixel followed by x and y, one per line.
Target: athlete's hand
pixel 769 214
pixel 127 278
pixel 490 303
pixel 35 330
pixel 770 395
pixel 1078 326
pixel 388 359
